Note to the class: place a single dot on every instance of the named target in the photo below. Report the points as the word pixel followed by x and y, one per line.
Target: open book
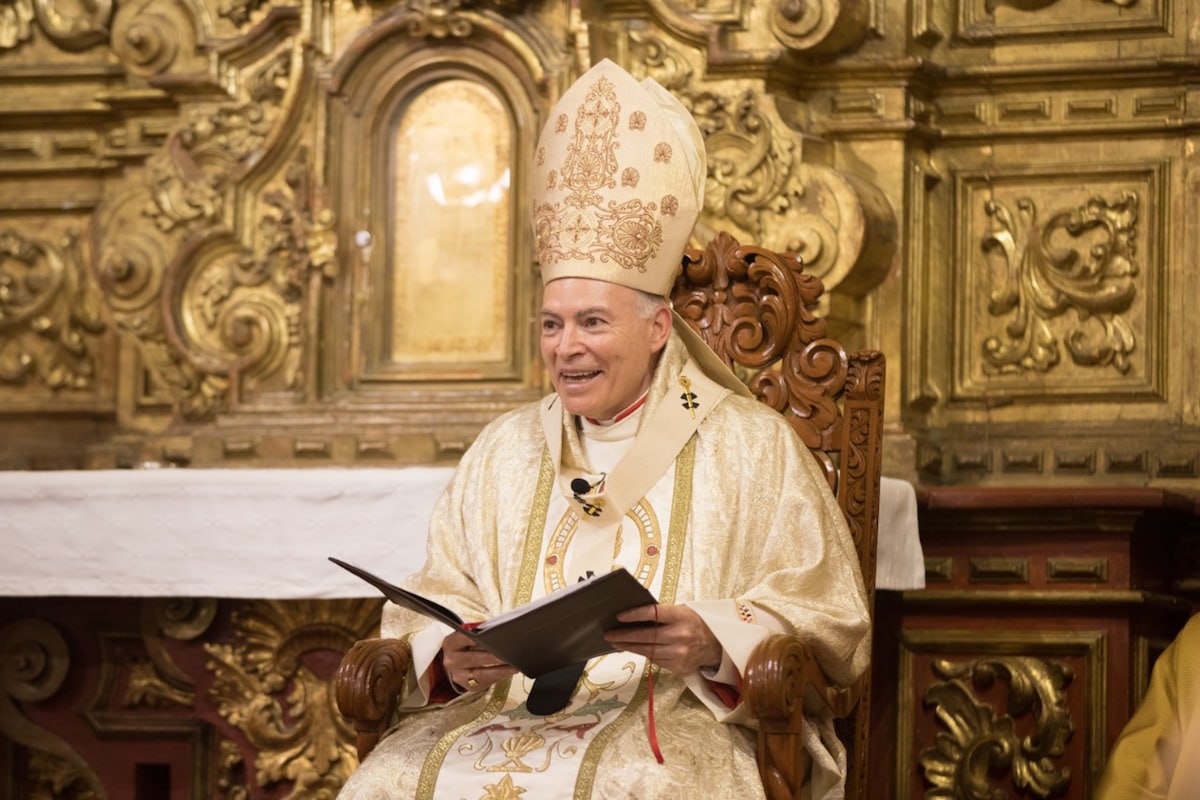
pixel 562 628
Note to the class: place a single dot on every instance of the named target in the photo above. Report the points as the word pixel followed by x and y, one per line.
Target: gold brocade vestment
pixel 752 539
pixel 1157 755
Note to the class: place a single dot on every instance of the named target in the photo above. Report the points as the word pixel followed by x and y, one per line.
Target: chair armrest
pixel 779 674
pixel 368 685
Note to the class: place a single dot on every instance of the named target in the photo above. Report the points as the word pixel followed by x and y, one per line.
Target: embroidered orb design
pixel 636 238
pixel 670 205
pixel 662 152
pixel 590 173
pixel 629 177
pixel 637 121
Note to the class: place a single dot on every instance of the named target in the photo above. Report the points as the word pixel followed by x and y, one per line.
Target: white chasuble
pixel 507 752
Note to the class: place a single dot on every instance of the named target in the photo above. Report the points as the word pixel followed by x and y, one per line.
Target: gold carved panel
pixel 1051 340
pixel 997 713
pixel 1060 283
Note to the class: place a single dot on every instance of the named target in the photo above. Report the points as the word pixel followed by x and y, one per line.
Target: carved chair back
pixel 754 308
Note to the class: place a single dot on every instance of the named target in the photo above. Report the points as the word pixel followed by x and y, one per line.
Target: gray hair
pixel 647 304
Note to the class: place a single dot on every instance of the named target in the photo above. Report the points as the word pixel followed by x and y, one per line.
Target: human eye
pixel 549 324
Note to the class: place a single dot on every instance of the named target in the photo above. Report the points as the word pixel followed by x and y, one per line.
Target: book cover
pixel 561 628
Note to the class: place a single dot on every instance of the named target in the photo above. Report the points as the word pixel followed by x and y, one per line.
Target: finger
pixel 480 678
pixel 641 635
pixel 644 613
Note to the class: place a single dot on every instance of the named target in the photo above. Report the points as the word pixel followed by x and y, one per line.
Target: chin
pixel 579 407
pixel 579 410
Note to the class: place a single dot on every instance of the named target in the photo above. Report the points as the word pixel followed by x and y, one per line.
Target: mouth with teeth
pixel 578 377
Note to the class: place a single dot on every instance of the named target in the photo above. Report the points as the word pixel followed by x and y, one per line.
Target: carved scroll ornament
pixel 72 26
pixel 264 686
pixel 34 662
pixel 1041 281
pixel 979 745
pixel 754 305
pixel 47 312
pixel 817 27
pixel 216 311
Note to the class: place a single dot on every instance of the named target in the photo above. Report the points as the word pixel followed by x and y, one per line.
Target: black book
pixel 564 627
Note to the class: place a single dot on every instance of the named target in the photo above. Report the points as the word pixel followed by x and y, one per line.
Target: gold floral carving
pixel 978 745
pixel 48 310
pixel 1042 281
pixel 217 311
pixel 761 190
pixel 156 680
pixel 443 19
pixel 193 175
pixel 72 26
pixel 34 662
pixel 231 772
pixel 16 23
pixel 264 687
pixel 239 11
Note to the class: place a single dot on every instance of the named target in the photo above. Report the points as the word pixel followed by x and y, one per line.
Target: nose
pixel 569 341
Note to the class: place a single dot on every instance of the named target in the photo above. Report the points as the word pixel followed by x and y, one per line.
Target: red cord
pixel 650 693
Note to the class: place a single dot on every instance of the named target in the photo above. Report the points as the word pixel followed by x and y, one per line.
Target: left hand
pixel 681 642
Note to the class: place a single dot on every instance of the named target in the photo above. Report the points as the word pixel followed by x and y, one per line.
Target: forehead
pixel 567 296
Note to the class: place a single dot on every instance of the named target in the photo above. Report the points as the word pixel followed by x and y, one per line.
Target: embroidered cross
pixel 579 487
pixel 591 509
pixel 688 397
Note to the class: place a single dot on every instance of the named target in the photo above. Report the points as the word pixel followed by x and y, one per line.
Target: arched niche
pixel 428 146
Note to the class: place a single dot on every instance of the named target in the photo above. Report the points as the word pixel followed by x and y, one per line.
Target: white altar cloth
pixel 260 533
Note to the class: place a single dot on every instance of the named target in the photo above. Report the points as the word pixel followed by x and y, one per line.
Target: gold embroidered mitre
pixel 618 182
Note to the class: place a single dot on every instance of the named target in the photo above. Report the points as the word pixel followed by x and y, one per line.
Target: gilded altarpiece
pixel 218 250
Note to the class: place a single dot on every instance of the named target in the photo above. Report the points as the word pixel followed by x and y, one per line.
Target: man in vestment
pixel 1157 755
pixel 649 455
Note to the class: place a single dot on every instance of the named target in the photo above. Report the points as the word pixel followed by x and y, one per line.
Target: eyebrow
pixel 583 312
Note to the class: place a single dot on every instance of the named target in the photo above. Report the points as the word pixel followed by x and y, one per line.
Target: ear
pixel 660 328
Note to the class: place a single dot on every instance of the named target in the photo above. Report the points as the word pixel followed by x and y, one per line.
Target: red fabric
pixel 729 695
pixel 441 690
pixel 653 731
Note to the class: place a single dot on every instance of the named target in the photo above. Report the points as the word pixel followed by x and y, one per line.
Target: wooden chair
pixel 753 306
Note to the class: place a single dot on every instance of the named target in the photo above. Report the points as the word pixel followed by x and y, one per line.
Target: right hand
pixel 470 666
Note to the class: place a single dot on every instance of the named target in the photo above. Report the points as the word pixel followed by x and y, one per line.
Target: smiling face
pixel 599 345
